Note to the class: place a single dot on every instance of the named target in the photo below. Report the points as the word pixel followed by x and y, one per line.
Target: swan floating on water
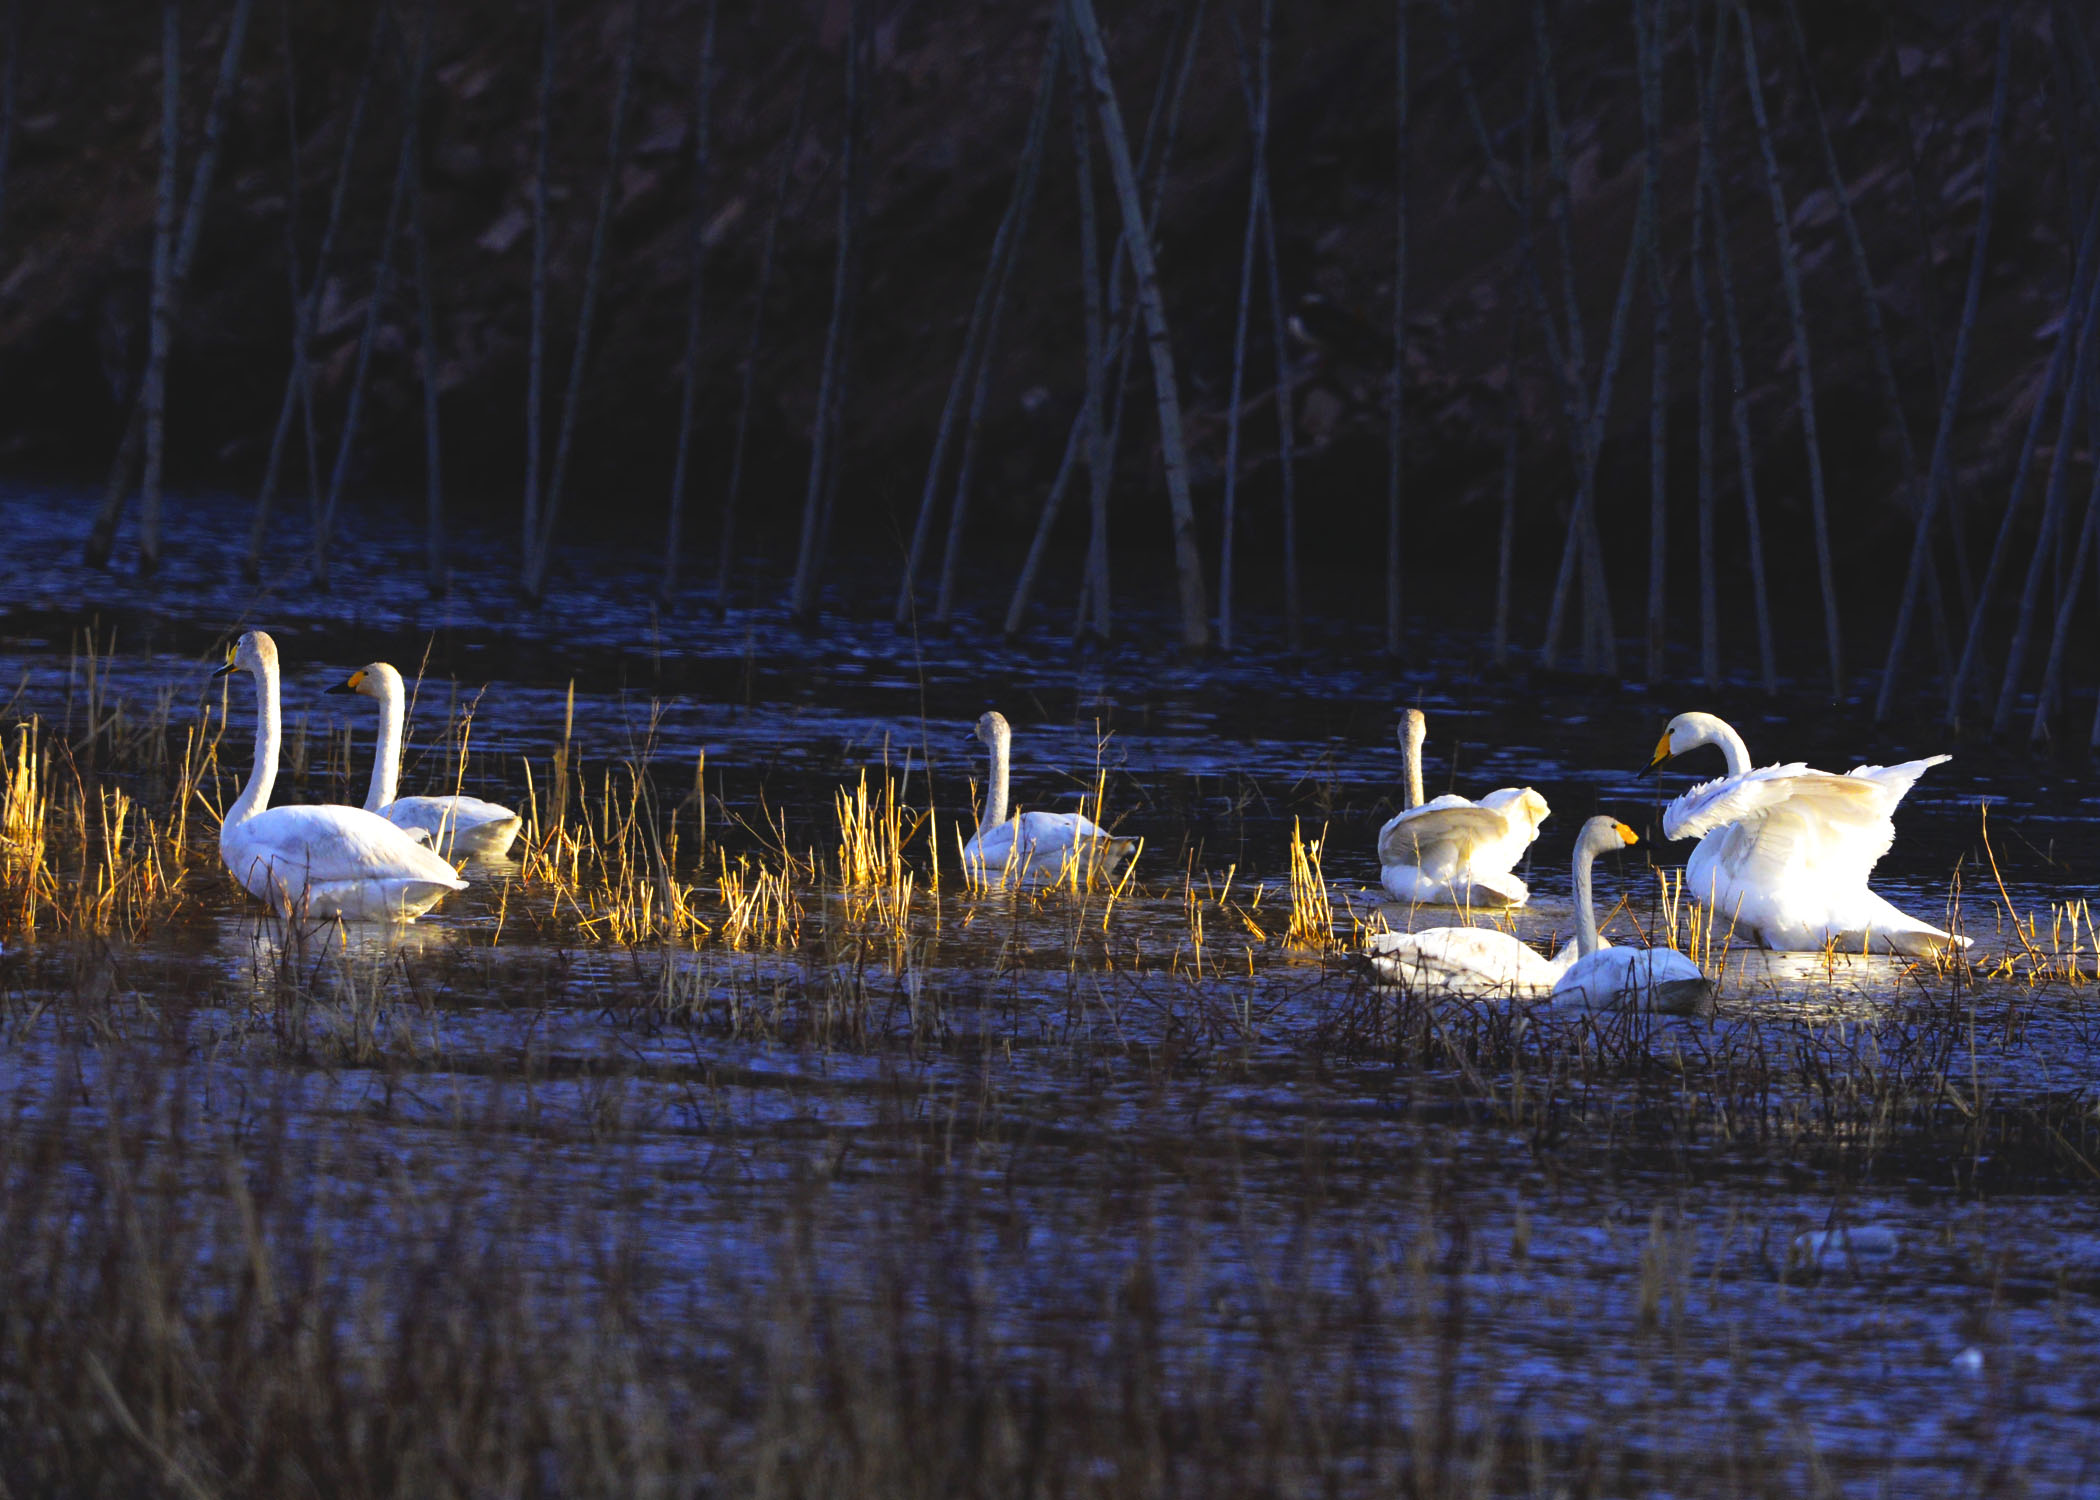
pixel 1784 852
pixel 457 826
pixel 1480 961
pixel 1036 845
pixel 1453 852
pixel 1608 978
pixel 325 861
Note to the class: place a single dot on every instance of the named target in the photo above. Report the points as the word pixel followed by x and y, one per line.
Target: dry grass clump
pixel 1312 909
pixel 83 855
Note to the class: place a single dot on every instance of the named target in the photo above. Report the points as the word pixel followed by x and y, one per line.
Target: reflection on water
pixel 1051 1094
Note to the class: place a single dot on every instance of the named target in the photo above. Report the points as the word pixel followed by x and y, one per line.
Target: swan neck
pixel 1733 749
pixel 1413 758
pixel 262 774
pixel 995 790
pixel 1585 906
pixel 386 755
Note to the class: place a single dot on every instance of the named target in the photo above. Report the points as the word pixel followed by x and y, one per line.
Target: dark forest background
pixel 1582 188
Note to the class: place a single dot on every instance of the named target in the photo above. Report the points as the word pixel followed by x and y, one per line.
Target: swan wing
pixel 1896 781
pixel 1467 958
pixel 1441 835
pixel 324 844
pixel 1788 824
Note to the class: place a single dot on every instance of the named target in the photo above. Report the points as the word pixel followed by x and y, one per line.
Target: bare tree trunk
pixel 1039 544
pixel 1195 625
pixel 1396 423
pixel 298 386
pixel 727 551
pixel 2001 548
pixel 536 339
pixel 153 394
pixel 1002 251
pixel 8 82
pixel 1804 373
pixel 981 386
pixel 1286 426
pixel 103 533
pixel 1648 30
pixel 375 306
pixel 1709 580
pixel 1863 276
pixel 1098 459
pixel 1093 613
pixel 1739 385
pixel 1506 530
pixel 1258 156
pixel 2066 606
pixel 802 592
pixel 1599 651
pixel 426 323
pixel 541 550
pixel 1950 403
pixel 2052 510
pixel 696 262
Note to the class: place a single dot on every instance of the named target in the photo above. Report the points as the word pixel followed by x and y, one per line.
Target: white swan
pixel 1452 852
pixel 1036 845
pixel 324 861
pixel 1480 961
pixel 457 826
pixel 1784 852
pixel 1608 978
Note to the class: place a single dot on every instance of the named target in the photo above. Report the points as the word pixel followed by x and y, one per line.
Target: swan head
pixel 1414 729
pixel 373 680
pixel 992 729
pixel 1688 732
pixel 1604 835
pixel 253 652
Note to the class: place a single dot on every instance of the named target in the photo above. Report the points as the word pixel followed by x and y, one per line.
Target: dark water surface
pixel 1047 1096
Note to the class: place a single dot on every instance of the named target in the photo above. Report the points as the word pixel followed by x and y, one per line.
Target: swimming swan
pixel 1479 961
pixel 1784 852
pixel 1036 845
pixel 328 861
pixel 1608 978
pixel 1452 852
pixel 455 826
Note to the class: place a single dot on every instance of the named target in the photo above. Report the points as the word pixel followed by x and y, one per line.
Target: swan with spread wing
pixel 1451 851
pixel 1785 851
